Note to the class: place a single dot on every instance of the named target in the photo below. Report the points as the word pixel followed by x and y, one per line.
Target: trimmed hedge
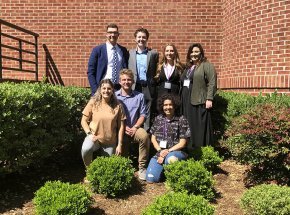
pixel 233 104
pixel 228 105
pixel 261 138
pixel 254 133
pixel 36 120
pixel 208 156
pixel 179 203
pixel 111 176
pixel 266 200
pixel 191 177
pixel 56 198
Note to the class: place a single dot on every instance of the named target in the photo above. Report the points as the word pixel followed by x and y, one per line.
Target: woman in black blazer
pixel 168 73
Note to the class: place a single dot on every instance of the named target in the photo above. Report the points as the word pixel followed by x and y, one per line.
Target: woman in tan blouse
pixel 103 121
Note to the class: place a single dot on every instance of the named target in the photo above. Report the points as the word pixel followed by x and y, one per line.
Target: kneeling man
pixel 135 108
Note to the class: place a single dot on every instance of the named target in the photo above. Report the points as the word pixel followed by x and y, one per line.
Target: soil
pixel 16 191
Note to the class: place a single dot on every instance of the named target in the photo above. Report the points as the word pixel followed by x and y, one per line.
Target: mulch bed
pixel 17 191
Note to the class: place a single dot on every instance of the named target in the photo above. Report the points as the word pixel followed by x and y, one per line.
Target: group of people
pixel 131 89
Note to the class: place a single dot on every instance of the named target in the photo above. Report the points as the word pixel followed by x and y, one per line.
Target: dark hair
pixel 143 30
pixel 189 62
pixel 175 100
pixel 112 25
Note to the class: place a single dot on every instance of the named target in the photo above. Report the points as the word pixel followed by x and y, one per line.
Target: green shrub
pixel 266 200
pixel 261 138
pixel 240 103
pixel 57 198
pixel 191 177
pixel 37 120
pixel 237 103
pixel 179 203
pixel 275 98
pixel 111 176
pixel 228 105
pixel 208 156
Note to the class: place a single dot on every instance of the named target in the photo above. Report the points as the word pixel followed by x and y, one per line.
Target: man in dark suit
pixel 106 60
pixel 143 62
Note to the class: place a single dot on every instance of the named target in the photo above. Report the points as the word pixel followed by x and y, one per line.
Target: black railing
pixel 19 47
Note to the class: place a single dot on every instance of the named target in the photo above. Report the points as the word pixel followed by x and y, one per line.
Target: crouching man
pixel 135 109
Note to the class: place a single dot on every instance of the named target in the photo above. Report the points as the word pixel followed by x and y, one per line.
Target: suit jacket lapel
pixel 149 75
pixel 133 54
pixel 105 53
pixel 148 58
pixel 134 65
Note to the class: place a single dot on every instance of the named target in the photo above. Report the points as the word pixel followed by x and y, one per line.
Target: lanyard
pixel 189 71
pixel 165 134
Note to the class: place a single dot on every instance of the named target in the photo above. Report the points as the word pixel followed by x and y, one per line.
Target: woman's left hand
pixel 208 104
pixel 93 137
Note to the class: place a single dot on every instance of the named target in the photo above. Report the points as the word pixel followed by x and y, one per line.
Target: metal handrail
pixel 19 48
pixel 18 28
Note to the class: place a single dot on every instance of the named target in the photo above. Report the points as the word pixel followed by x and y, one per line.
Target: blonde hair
pixel 128 72
pixel 178 65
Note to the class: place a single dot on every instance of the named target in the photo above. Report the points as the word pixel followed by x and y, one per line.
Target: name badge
pixel 167 85
pixel 186 83
pixel 163 144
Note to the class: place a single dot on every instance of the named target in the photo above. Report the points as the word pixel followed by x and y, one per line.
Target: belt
pixel 142 83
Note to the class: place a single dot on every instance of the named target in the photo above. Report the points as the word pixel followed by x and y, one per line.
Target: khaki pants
pixel 141 137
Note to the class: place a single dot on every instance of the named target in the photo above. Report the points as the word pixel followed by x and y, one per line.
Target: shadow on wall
pixel 51 71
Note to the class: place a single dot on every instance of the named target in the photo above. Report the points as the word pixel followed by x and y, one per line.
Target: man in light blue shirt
pixel 143 62
pixel 134 106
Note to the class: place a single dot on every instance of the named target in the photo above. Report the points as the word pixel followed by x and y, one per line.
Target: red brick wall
pixel 70 29
pixel 256 39
pixel 246 40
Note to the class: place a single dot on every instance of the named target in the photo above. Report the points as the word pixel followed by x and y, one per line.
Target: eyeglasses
pixel 113 32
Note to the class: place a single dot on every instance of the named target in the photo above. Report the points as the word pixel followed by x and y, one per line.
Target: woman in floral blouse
pixel 169 137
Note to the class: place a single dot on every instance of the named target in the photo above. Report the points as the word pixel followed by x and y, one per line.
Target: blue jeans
pixel 155 170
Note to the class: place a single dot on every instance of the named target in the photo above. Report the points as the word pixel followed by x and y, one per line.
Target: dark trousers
pixel 200 126
pixel 148 99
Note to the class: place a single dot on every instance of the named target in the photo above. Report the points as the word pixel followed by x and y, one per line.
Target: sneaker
pixel 142 174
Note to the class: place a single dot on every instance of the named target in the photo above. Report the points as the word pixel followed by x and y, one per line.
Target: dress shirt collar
pixel 110 46
pixel 119 93
pixel 145 51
